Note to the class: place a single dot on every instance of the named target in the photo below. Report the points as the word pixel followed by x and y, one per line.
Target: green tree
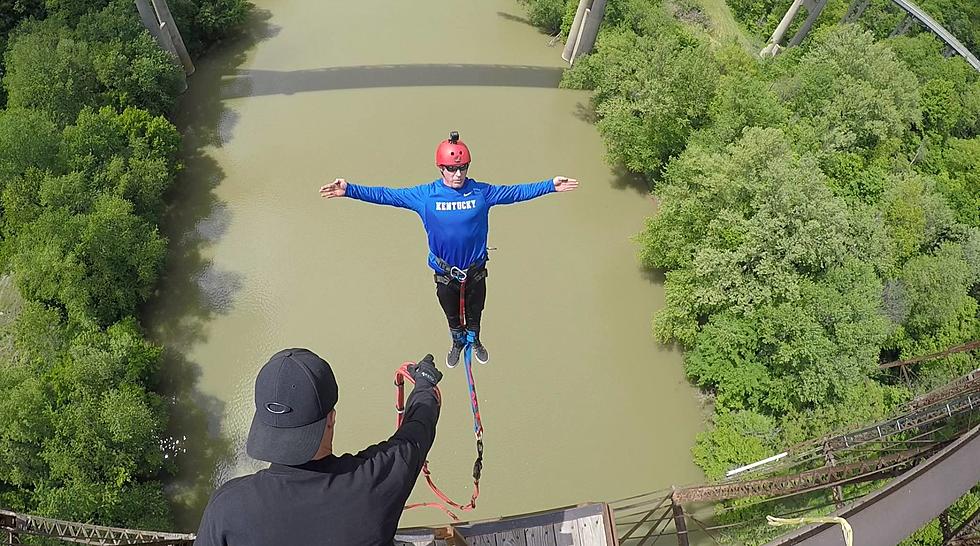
pixel 132 155
pixel 22 201
pixel 745 225
pixel 915 214
pixel 546 14
pixel 122 255
pixel 100 264
pixel 959 181
pixel 27 424
pixel 205 22
pixel 743 99
pixel 650 94
pixel 49 70
pixel 69 11
pixel 82 437
pixel 962 19
pixel 13 12
pixel 736 439
pixel 937 291
pixel 950 79
pixel 138 73
pixel 853 91
pixel 27 139
pixel 798 355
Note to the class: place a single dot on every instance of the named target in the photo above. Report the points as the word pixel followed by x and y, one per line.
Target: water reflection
pixel 192 289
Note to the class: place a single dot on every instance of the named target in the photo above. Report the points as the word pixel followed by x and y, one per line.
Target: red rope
pixel 401 375
pixel 462 303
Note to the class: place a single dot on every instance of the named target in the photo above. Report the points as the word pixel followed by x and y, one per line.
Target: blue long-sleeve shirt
pixel 455 221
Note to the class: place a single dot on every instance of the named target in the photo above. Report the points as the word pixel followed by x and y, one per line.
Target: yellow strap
pixel 845 527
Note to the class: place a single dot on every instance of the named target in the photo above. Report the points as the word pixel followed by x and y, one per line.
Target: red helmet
pixel 452 151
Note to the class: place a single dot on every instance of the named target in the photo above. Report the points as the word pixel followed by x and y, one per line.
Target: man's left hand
pixel 565 184
pixel 425 370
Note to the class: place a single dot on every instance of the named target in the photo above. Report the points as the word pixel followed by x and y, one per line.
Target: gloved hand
pixel 425 371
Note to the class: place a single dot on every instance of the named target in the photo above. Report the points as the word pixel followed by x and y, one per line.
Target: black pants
pixel 476 297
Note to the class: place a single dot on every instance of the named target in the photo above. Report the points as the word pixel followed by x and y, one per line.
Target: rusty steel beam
pixel 960 397
pixel 84 533
pixel 968 383
pixel 941 410
pixel 968 346
pixel 796 483
pixel 680 524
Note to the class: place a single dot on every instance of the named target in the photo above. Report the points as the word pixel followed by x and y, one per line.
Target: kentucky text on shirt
pixel 456 205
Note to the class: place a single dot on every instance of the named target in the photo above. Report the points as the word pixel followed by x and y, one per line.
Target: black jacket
pixel 350 500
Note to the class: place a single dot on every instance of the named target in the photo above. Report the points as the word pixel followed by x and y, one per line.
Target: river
pixel 579 401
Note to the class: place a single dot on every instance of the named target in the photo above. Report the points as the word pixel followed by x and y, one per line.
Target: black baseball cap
pixel 294 392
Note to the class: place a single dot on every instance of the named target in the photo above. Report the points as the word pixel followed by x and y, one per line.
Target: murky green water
pixel 579 402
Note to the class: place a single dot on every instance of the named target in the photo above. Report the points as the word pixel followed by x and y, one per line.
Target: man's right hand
pixel 425 371
pixel 337 188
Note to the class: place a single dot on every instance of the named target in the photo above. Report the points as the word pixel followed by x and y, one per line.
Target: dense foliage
pixel 818 215
pixel 86 157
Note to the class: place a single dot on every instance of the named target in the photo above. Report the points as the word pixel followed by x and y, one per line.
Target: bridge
pixel 930 447
pixel 857 7
pixel 924 431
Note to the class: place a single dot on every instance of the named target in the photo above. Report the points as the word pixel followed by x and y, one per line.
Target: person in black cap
pixel 309 495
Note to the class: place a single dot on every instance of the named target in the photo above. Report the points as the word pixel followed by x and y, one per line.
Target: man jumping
pixel 455 214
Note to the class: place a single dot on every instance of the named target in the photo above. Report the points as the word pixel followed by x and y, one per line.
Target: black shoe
pixel 459 337
pixel 452 359
pixel 480 352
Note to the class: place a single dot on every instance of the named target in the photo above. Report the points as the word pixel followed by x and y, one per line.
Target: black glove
pixel 425 371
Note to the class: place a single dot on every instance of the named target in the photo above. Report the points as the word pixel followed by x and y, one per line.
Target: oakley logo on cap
pixel 277 408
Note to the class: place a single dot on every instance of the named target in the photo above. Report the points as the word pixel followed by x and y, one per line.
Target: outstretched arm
pixel 414 438
pixel 406 198
pixel 505 195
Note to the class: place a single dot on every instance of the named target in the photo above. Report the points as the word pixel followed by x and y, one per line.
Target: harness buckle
pixel 457 273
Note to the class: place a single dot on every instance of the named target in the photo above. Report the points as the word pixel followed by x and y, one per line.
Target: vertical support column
pixel 149 19
pixel 578 38
pixel 680 524
pixel 590 28
pixel 813 10
pixel 905 375
pixel 166 18
pixel 828 455
pixel 773 47
pixel 575 31
pixel 855 10
pixel 903 27
pixel 164 34
pixel 8 526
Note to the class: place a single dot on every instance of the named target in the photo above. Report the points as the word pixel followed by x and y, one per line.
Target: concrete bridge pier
pixel 813 10
pixel 161 25
pixel 584 30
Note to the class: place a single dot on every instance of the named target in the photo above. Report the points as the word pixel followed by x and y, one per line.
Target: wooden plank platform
pixel 582 525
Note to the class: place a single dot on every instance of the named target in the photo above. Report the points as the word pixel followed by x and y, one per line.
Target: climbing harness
pixel 473 273
pixel 401 375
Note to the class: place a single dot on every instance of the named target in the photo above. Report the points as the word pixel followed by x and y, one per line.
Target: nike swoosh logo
pixel 467 194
